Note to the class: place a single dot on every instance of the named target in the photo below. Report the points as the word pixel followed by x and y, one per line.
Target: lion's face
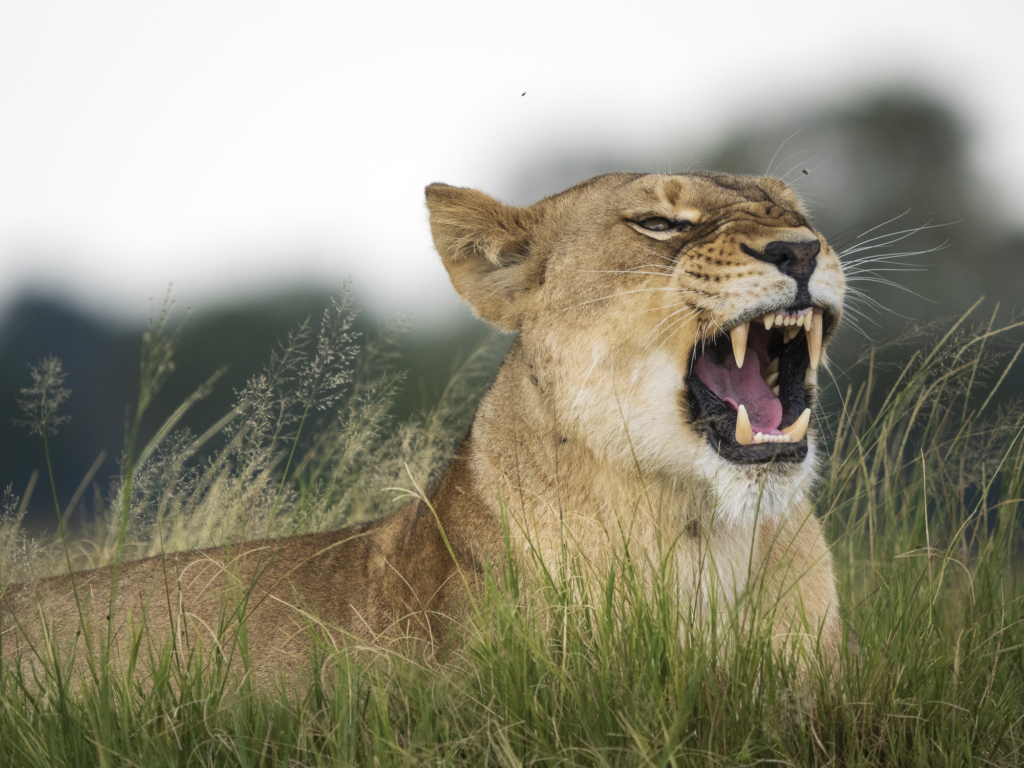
pixel 676 322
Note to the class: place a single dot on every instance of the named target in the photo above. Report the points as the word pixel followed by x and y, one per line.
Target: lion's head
pixel 673 324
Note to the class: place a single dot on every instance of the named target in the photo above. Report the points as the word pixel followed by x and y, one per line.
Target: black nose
pixel 796 260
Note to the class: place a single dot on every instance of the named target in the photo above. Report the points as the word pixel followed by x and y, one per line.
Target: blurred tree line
pixel 896 154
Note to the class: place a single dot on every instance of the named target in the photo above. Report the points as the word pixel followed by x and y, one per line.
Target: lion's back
pixel 287 590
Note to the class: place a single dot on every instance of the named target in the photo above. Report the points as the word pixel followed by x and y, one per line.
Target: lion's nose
pixel 793 259
pixel 797 260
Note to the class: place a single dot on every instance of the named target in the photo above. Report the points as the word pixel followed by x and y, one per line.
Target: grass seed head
pixel 41 402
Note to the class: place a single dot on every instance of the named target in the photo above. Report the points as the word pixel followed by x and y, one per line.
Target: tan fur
pixel 584 444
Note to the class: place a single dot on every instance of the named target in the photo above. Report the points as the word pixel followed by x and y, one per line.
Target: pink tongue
pixel 743 385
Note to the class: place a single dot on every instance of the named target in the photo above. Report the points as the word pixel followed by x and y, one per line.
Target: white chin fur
pixel 746 493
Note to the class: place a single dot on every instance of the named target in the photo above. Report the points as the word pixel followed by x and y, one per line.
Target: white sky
pixel 245 147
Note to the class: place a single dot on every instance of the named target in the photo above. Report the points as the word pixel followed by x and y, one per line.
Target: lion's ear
pixel 485 246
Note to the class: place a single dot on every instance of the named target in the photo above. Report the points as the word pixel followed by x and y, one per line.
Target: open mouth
pixel 751 389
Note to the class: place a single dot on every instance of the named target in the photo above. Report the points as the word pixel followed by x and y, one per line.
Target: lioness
pixel 657 398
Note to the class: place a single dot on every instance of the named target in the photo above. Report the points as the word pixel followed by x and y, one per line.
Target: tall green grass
pixel 921 496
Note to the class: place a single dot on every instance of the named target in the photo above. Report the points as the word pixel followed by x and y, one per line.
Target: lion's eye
pixel 656 224
pixel 661 224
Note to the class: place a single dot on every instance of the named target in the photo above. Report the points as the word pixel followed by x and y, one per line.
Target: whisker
pixel 622 272
pixel 654 330
pixel 855 314
pixel 874 271
pixel 892 284
pixel 894 257
pixel 895 238
pixel 772 162
pixel 666 333
pixel 702 338
pixel 663 307
pixel 626 293
pixel 813 169
pixel 887 259
pixel 658 255
pixel 790 157
pixel 857 296
pixel 797 166
pixel 897 217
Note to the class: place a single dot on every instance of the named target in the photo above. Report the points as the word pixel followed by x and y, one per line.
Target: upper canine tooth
pixel 814 340
pixel 739 342
pixel 769 321
pixel 798 428
pixel 744 432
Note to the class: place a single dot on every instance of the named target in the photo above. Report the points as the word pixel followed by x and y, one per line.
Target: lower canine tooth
pixel 814 340
pixel 739 342
pixel 744 433
pixel 798 428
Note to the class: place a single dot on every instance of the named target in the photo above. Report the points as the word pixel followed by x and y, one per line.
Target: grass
pixel 921 495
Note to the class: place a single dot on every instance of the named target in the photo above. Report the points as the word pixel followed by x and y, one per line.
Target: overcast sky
pixel 236 148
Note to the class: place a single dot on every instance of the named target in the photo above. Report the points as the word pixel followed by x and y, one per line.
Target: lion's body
pixel 589 443
pixel 348 587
